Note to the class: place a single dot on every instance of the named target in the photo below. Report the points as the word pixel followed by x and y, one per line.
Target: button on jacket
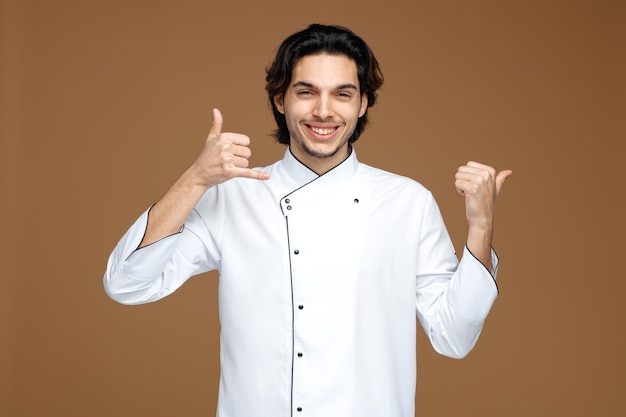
pixel 321 281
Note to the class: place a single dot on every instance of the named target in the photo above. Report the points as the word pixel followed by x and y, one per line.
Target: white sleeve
pixel 453 298
pixel 138 276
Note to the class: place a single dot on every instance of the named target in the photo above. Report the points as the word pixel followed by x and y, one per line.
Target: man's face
pixel 321 107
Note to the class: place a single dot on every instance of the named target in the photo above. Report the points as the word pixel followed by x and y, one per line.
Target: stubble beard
pixel 319 154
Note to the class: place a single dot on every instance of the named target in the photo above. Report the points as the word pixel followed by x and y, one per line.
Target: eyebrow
pixel 347 86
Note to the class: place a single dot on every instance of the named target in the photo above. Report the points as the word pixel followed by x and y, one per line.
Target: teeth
pixel 321 131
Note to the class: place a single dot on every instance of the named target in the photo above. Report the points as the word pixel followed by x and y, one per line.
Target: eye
pixel 304 93
pixel 344 94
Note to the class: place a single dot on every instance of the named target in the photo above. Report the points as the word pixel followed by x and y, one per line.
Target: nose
pixel 323 107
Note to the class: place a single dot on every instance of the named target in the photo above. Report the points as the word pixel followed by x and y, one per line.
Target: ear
pixel 279 103
pixel 364 102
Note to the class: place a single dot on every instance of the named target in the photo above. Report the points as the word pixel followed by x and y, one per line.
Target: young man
pixel 324 262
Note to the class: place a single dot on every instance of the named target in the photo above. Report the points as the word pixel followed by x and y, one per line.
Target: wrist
pixel 479 243
pixel 194 180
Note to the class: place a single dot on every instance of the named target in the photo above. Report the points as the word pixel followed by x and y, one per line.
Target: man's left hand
pixel 480 185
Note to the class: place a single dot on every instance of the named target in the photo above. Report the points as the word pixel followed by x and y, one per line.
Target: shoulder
pixel 382 181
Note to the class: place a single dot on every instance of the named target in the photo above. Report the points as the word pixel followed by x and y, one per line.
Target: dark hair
pixel 317 39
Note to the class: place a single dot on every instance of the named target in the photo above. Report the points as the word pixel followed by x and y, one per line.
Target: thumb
pixel 501 177
pixel 216 125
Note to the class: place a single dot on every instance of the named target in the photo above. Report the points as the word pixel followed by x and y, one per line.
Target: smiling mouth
pixel 323 131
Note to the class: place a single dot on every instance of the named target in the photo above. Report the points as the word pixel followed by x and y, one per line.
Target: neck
pixel 321 165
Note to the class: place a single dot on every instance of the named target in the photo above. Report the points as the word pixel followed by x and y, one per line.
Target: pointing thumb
pixel 216 125
pixel 501 177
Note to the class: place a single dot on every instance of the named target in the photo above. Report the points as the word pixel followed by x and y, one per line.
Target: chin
pixel 324 151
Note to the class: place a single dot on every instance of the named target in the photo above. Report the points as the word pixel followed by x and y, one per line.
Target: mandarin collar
pixel 311 187
pixel 303 175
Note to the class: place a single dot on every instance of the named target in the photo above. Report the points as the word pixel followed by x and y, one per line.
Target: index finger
pixel 479 166
pixel 252 173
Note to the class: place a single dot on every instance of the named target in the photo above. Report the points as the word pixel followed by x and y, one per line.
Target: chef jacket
pixel 321 278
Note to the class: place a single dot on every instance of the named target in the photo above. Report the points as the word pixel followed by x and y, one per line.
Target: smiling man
pixel 321 109
pixel 325 263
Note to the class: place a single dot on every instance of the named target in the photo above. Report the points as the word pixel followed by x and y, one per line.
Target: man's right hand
pixel 224 156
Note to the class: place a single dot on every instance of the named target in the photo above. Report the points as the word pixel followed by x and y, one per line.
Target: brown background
pixel 105 103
